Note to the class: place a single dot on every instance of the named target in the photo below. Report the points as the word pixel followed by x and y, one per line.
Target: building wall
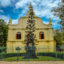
pixel 43 45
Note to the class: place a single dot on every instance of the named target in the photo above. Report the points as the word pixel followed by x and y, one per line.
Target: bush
pixel 51 54
pixel 54 54
pixel 13 54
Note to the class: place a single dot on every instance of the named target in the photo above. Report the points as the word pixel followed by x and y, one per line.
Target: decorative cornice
pixel 36 41
pixel 15 41
pixel 25 29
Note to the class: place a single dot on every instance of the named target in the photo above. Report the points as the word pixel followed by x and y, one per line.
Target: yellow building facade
pixel 44 40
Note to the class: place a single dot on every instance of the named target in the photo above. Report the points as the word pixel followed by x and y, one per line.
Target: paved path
pixel 32 62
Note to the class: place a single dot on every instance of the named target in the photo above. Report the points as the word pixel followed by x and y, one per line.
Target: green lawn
pixel 40 58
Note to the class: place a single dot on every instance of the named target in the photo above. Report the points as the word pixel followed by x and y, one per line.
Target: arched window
pixel 18 35
pixel 41 35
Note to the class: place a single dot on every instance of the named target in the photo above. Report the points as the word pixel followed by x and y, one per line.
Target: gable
pixel 22 23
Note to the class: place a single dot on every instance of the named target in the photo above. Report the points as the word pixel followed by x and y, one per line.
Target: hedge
pixel 58 55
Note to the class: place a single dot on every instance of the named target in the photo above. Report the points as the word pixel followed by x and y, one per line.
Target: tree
pixel 59 11
pixel 30 37
pixel 57 36
pixel 3 32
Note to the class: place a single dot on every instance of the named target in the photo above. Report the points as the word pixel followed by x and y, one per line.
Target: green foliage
pixel 3 32
pixel 59 12
pixel 41 56
pixel 59 38
pixel 53 54
pixel 18 48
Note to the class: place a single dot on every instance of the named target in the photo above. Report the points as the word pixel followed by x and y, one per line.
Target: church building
pixel 44 40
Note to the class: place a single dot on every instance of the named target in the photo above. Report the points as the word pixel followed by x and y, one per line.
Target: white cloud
pixel 46 22
pixel 6 18
pixel 5 3
pixel 1 11
pixel 14 21
pixel 21 3
pixel 41 7
pixel 44 9
pixel 23 12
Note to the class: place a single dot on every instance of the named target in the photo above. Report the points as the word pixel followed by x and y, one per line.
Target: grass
pixel 40 58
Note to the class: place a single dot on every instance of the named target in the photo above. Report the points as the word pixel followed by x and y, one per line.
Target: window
pixel 41 35
pixel 18 35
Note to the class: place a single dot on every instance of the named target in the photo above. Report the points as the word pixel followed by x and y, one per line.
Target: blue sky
pixel 18 8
